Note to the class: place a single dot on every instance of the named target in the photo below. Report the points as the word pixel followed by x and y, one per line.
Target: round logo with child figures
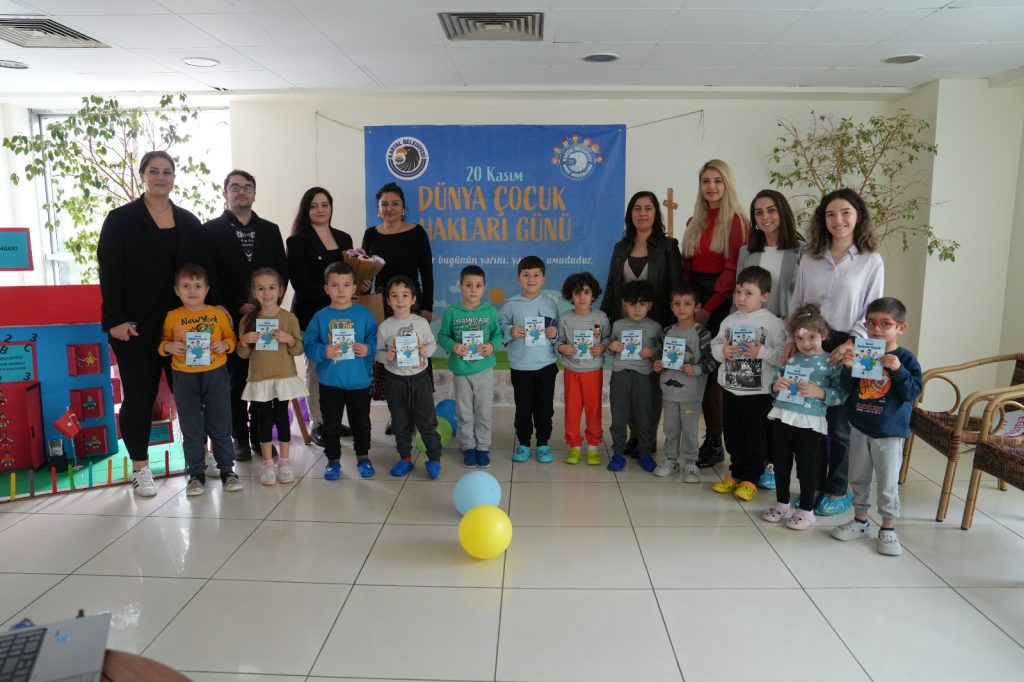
pixel 577 156
pixel 407 158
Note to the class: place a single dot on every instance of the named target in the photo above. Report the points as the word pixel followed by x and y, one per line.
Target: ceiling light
pixel 601 57
pixel 903 59
pixel 204 62
pixel 11 64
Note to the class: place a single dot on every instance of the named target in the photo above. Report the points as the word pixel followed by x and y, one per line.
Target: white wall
pixel 1012 340
pixel 974 183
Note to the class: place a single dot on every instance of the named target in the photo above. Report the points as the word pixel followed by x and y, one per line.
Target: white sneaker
pixel 889 543
pixel 692 474
pixel 142 482
pixel 268 475
pixel 285 472
pixel 851 530
pixel 212 470
pixel 666 468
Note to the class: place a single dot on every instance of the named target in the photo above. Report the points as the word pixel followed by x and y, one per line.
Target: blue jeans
pixel 203 400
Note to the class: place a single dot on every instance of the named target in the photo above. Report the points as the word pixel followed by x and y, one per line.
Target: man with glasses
pixel 240 243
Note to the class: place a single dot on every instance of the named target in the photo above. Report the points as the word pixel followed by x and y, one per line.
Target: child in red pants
pixel 583 334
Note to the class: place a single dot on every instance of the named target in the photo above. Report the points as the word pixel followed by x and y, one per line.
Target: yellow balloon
pixel 485 532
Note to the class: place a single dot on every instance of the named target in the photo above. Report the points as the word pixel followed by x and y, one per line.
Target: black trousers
pixel 834 456
pixel 411 402
pixel 335 401
pixel 244 416
pixel 803 444
pixel 270 414
pixel 139 365
pixel 534 393
pixel 745 419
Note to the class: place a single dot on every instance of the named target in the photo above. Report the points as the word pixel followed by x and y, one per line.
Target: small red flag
pixel 68 424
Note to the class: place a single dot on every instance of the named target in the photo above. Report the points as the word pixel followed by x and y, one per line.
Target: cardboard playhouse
pixel 59 393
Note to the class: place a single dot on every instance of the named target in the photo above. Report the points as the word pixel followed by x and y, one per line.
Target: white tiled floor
pixel 609 577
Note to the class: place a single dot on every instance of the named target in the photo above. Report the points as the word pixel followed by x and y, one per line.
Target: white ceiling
pixel 273 45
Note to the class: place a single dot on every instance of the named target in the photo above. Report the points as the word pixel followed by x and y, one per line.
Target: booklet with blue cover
pixel 866 356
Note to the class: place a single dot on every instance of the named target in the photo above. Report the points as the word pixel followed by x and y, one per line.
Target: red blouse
pixel 707 262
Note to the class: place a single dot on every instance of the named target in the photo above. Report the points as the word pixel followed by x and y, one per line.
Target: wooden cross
pixel 671 206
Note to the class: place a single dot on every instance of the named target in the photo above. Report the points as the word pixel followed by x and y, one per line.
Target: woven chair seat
pixel 936 428
pixel 1004 462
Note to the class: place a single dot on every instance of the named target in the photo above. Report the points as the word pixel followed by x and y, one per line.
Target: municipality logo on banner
pixel 407 158
pixel 577 156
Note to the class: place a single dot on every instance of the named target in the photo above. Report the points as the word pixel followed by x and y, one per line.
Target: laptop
pixel 68 651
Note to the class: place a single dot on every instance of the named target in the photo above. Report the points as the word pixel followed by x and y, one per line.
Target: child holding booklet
pixel 199 337
pixel 470 332
pixel 806 387
pixel 684 367
pixel 879 413
pixel 635 340
pixel 342 340
pixel 404 342
pixel 270 338
pixel 748 345
pixel 582 336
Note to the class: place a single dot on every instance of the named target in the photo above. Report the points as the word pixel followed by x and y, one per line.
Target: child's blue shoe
pixel 332 472
pixel 767 480
pixel 833 506
pixel 469 459
pixel 402 467
pixel 617 463
pixel 647 463
pixel 433 468
pixel 543 454
pixel 366 469
pixel 521 453
pixel 483 459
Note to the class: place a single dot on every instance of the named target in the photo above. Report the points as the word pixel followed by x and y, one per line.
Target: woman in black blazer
pixel 141 246
pixel 644 252
pixel 313 246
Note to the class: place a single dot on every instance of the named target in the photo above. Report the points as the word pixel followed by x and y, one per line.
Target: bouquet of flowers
pixel 363 265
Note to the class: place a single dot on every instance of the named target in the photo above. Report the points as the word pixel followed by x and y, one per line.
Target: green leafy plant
pixel 873 157
pixel 93 157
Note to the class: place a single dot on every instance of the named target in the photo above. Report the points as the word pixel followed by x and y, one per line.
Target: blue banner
pixel 490 195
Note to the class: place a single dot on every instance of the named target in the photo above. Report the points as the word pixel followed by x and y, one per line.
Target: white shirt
pixel 842 290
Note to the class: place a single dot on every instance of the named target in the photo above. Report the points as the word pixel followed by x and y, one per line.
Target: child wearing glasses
pixel 879 414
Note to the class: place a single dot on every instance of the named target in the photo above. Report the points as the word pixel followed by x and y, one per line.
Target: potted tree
pixel 873 157
pixel 92 159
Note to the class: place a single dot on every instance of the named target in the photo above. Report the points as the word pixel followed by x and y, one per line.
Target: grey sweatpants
pixel 203 400
pixel 474 400
pixel 630 395
pixel 682 422
pixel 881 457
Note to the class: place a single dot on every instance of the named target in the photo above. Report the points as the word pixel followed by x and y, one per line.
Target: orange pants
pixel 583 393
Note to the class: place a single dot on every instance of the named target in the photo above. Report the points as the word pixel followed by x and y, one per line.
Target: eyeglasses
pixel 248 189
pixel 884 325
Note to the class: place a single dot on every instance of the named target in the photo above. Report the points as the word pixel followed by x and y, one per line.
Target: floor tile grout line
pixel 796 579
pixel 355 578
pixel 650 579
pixel 504 573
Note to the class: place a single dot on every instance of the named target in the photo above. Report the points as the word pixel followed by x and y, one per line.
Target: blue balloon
pixel 446 409
pixel 474 489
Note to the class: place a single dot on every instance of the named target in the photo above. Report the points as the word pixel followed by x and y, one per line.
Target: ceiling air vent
pixel 34 32
pixel 493 25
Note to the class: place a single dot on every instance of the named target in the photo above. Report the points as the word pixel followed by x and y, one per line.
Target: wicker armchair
pixel 947 431
pixel 1000 457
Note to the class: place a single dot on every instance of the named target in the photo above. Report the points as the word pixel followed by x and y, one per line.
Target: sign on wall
pixel 15 249
pixel 489 195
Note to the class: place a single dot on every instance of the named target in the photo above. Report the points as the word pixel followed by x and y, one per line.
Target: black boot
pixel 632 448
pixel 317 435
pixel 711 452
pixel 345 431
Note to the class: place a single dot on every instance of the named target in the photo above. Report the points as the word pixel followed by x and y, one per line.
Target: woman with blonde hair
pixel 711 246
